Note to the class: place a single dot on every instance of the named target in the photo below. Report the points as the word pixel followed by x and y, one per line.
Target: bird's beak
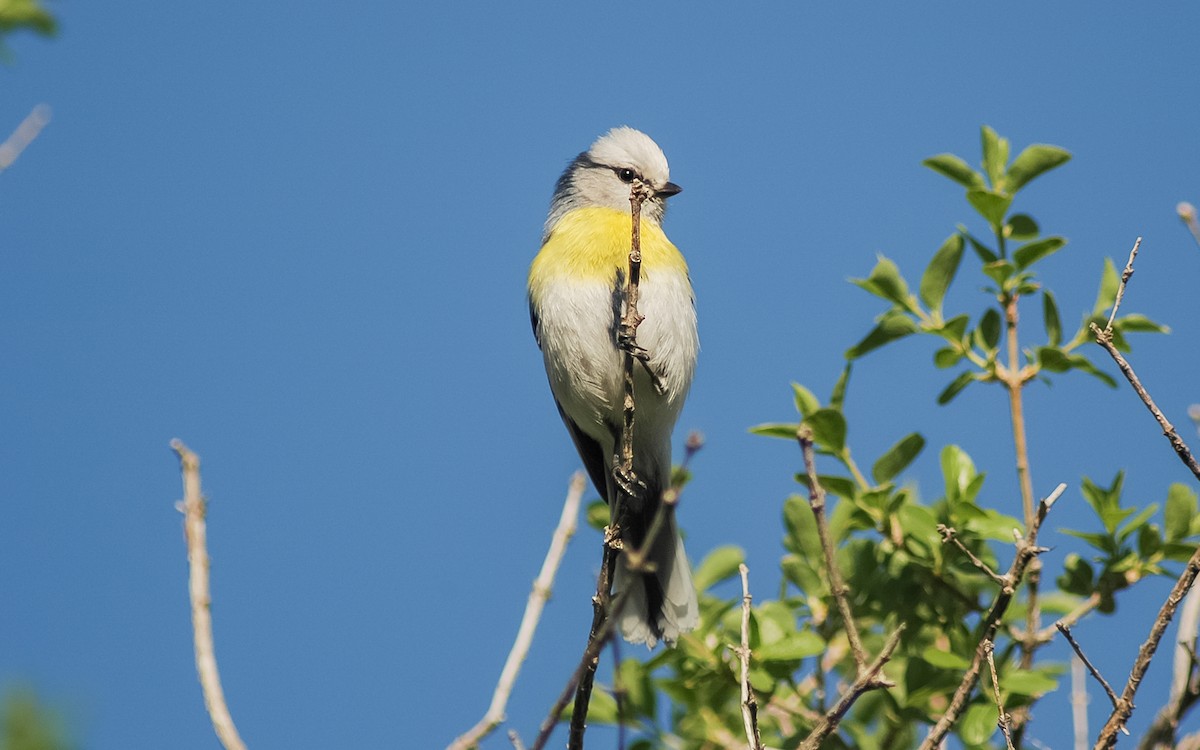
pixel 668 190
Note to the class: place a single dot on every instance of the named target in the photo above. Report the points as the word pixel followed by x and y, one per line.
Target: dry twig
pixel 29 128
pixel 1079 702
pixel 950 535
pixel 193 508
pixel 602 602
pixel 1187 212
pixel 749 703
pixel 1124 705
pixel 1027 550
pixel 1185 688
pixel 529 621
pixel 989 649
pixel 1066 631
pixel 816 501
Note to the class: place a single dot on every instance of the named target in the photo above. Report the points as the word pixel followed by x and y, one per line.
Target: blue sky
pixel 298 241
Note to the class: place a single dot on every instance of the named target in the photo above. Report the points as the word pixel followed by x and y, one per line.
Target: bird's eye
pixel 626 175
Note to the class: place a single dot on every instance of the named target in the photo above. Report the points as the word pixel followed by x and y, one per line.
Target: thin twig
pixel 607 628
pixel 1124 707
pixel 1104 339
pixel 1027 550
pixel 1125 276
pixel 1184 690
pixel 23 135
pixel 515 739
pixel 533 612
pixel 749 703
pixel 868 679
pixel 1046 634
pixel 1066 631
pixel 623 469
pixel 194 511
pixel 1079 702
pixel 816 501
pixel 950 535
pixel 989 649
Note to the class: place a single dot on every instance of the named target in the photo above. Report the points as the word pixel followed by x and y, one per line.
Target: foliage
pixel 24 14
pixel 25 724
pixel 897 567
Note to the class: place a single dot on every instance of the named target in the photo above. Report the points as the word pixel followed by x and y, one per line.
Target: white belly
pixel 577 329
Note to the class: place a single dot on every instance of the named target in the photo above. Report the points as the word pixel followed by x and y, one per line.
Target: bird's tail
pixel 661 604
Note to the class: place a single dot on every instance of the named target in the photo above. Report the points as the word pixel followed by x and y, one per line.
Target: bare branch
pixel 749 704
pixel 1066 631
pixel 1184 688
pixel 950 535
pixel 869 678
pixel 816 501
pixel 1125 276
pixel 1124 707
pixel 529 621
pixel 195 531
pixel 23 135
pixel 989 649
pixel 1104 339
pixel 1027 550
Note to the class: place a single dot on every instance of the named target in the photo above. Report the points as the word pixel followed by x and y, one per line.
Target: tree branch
pixel 989 649
pixel 749 704
pixel 1027 550
pixel 29 129
pixel 193 508
pixel 529 621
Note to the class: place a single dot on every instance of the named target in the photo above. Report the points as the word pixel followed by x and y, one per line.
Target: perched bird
pixel 577 287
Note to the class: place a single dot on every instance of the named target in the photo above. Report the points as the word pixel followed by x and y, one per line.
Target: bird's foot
pixel 630 484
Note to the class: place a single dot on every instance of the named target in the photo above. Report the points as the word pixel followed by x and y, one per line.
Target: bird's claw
pixel 629 482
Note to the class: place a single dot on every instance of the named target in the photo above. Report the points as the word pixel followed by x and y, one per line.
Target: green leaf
pixel 1026 255
pixel 833 485
pixel 806 402
pixel 829 429
pixel 999 271
pixel 602 709
pixel 947 357
pixel 1181 509
pixel 1053 359
pixel 985 253
pixel 1083 364
pixel 1033 161
pixel 1137 323
pixel 1021 227
pixel 1109 281
pixel 1050 318
pixel 597 514
pixel 838 397
pixel 958 470
pixel 885 281
pixel 989 328
pixel 962 381
pixel 941 270
pixel 991 206
pixel 893 325
pixel 897 458
pixel 1027 682
pixel 978 724
pixel 784 430
pixel 719 565
pixel 1137 521
pixel 791 647
pixel 995 155
pixel 945 659
pixel 949 165
pixel 955 328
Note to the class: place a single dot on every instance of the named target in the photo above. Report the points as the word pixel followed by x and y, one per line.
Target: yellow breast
pixel 592 243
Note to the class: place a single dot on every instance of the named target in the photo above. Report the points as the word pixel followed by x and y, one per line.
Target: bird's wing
pixel 537 334
pixel 589 451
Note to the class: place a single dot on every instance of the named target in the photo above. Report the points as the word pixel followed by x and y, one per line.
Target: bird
pixel 577 289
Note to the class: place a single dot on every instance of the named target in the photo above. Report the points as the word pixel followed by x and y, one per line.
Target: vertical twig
pixel 193 508
pixel 816 501
pixel 627 338
pixel 529 621
pixel 989 649
pixel 1079 703
pixel 749 703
